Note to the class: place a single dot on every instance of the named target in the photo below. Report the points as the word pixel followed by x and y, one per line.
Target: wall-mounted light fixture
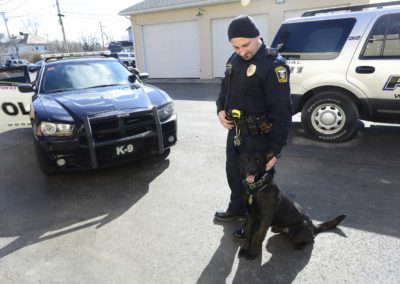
pixel 279 1
pixel 200 13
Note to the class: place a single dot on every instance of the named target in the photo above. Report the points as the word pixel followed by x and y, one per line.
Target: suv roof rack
pixel 58 56
pixel 353 8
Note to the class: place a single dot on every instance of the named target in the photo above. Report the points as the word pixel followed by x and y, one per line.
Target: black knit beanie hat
pixel 243 26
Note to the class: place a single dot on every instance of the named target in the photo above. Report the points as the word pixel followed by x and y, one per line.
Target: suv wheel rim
pixel 328 119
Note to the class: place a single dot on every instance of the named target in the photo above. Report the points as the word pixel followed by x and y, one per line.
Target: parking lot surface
pixel 152 221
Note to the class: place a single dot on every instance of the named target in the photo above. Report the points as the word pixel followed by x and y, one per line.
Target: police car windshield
pixel 80 74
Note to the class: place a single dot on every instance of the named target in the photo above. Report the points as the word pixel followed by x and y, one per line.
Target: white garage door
pixel 171 50
pixel 222 49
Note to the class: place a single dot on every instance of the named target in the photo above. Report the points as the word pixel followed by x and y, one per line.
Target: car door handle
pixel 365 69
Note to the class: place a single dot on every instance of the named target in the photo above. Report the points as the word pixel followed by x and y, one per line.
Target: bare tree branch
pixel 89 42
pixel 31 26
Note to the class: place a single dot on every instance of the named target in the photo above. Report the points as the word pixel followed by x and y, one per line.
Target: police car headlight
pixel 166 111
pixel 56 129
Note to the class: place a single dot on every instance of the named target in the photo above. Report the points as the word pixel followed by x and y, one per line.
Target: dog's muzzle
pixel 250 179
pixel 252 184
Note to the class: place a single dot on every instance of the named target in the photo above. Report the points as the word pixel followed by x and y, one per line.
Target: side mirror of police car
pixel 25 88
pixel 133 70
pixel 143 76
pixel 132 78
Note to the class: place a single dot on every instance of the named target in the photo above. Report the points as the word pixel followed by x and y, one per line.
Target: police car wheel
pixel 40 157
pixel 330 116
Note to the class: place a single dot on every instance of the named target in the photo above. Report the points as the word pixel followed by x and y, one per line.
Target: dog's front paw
pixel 300 246
pixel 242 252
pixel 247 254
pixel 251 255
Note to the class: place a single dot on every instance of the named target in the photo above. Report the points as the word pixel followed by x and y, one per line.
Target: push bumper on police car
pixel 108 139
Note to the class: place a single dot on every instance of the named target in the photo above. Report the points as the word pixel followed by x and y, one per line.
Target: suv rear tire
pixel 330 116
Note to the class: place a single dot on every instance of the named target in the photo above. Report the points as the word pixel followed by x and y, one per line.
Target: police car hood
pixel 100 100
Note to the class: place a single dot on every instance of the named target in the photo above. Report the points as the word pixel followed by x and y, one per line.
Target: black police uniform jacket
pixel 260 86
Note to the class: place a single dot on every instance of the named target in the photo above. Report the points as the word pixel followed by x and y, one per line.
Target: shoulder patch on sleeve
pixel 281 73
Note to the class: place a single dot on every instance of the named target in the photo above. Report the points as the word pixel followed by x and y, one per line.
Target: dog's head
pixel 252 166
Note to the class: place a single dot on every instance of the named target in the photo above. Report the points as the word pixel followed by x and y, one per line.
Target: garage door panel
pixel 222 49
pixel 171 50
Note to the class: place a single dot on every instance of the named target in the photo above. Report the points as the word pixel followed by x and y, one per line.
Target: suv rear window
pixel 313 40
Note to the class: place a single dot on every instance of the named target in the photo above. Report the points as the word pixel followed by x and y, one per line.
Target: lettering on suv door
pixel 392 83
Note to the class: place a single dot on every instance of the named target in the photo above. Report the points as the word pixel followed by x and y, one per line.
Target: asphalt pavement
pixel 152 221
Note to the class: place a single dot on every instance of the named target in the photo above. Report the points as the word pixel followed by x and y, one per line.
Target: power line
pixel 95 19
pixel 30 14
pixel 6 2
pixel 23 3
pixel 92 14
pixel 12 18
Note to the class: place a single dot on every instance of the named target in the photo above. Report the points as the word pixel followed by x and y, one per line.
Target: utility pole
pixel 9 37
pixel 62 26
pixel 102 39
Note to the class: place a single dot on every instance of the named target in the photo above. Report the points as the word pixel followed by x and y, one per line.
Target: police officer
pixel 254 105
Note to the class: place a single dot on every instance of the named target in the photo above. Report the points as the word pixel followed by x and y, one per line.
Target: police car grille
pixel 113 127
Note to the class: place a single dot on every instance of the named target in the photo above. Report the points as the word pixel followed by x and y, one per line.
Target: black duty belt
pixel 250 124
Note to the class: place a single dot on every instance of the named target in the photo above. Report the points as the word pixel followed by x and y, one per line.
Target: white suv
pixel 345 66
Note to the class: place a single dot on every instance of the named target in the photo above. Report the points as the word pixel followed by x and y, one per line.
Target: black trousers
pixel 252 144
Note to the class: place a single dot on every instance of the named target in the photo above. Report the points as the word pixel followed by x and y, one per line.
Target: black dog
pixel 269 207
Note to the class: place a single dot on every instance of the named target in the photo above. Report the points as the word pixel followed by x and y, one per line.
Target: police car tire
pixel 330 116
pixel 39 153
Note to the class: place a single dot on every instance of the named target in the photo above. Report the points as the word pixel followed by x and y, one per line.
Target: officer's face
pixel 246 47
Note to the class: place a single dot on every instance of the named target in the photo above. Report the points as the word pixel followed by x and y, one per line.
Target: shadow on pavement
pixel 359 177
pixel 282 266
pixel 221 264
pixel 35 208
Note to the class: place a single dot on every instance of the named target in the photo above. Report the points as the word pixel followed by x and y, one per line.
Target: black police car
pixel 90 112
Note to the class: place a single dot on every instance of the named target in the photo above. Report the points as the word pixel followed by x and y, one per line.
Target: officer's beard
pixel 249 55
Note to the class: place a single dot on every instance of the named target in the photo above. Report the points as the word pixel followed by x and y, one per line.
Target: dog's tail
pixel 329 225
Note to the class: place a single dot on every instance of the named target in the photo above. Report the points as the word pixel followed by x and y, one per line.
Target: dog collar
pixel 262 181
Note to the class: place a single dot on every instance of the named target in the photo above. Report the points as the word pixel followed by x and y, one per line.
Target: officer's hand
pixel 228 124
pixel 271 163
